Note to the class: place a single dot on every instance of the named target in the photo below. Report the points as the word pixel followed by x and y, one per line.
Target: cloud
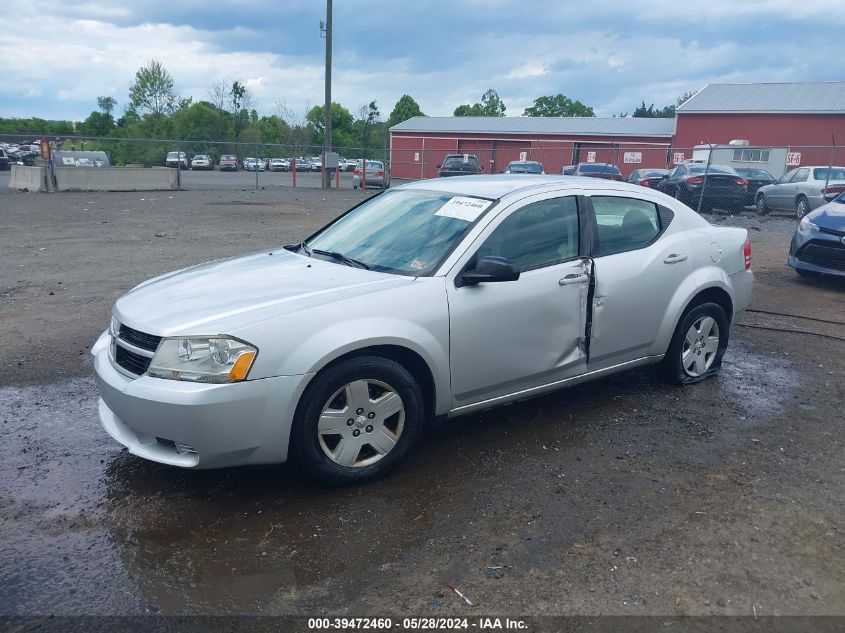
pixel 59 55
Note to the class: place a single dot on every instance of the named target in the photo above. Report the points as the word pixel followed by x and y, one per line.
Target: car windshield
pixel 403 232
pixel 599 168
pixel 759 174
pixel 836 173
pixel 527 167
pixel 651 173
pixel 713 169
pixel 171 155
pixel 458 161
pixel 227 157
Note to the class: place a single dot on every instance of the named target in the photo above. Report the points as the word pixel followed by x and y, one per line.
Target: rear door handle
pixel 674 259
pixel 574 278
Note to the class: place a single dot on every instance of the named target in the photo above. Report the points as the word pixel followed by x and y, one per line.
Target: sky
pixel 58 56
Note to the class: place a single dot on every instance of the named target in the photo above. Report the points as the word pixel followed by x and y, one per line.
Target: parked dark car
pixel 723 189
pixel 608 171
pixel 756 178
pixel 4 160
pixel 647 177
pixel 524 167
pixel 818 245
pixel 459 165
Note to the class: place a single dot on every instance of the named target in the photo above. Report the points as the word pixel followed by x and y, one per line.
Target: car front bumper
pixel 816 251
pixel 196 425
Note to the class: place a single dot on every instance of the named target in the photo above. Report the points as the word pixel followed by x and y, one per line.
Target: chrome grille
pixel 134 350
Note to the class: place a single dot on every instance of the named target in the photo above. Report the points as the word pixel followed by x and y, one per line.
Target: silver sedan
pixel 431 300
pixel 801 190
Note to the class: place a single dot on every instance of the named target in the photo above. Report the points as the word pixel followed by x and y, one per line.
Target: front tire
pixel 697 346
pixel 357 420
pixel 760 205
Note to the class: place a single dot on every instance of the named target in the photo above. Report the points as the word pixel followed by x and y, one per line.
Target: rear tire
pixel 802 207
pixel 385 406
pixel 697 346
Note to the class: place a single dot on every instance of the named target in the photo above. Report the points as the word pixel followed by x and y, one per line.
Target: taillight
pixel 644 182
pixel 834 190
pixel 695 180
pixel 746 251
pixel 742 182
pixel 357 172
pixel 379 173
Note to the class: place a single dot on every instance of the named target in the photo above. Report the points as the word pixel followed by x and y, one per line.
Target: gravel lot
pixel 624 496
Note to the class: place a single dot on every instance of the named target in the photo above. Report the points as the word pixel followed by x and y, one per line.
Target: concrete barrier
pixel 114 179
pixel 29 179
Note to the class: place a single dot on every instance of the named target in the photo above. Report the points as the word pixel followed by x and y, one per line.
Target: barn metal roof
pixel 581 126
pixel 819 97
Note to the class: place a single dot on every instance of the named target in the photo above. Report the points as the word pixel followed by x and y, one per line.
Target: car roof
pixel 499 185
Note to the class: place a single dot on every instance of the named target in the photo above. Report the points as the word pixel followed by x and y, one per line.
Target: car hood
pixel 829 216
pixel 226 295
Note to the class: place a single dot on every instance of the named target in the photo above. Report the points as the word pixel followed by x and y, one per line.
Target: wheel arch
pixel 712 294
pixel 405 356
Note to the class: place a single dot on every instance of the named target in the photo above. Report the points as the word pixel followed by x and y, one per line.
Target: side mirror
pixel 490 269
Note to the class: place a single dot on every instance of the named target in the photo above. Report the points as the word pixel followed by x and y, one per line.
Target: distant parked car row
pixel 230 162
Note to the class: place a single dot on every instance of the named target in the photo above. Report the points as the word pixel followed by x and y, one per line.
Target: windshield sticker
pixel 418 265
pixel 461 208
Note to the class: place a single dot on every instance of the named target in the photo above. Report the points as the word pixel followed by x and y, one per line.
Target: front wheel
pixel 760 205
pixel 357 420
pixel 697 346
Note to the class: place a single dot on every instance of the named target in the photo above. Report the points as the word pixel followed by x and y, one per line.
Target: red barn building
pixel 805 117
pixel 418 145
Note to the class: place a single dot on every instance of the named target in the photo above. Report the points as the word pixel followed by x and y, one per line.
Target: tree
pixel 651 112
pixel 558 105
pixel 491 105
pixel 341 124
pixel 152 91
pixel 368 120
pixel 106 104
pixel 406 108
pixel 97 124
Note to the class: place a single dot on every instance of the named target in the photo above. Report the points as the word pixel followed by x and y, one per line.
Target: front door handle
pixel 574 278
pixel 674 259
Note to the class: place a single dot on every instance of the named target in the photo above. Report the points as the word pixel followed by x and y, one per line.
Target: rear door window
pixel 624 224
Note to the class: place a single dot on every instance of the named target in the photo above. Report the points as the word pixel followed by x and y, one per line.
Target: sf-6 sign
pixel 793 159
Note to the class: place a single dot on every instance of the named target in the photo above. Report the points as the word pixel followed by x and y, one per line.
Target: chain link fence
pixel 244 164
pixel 700 176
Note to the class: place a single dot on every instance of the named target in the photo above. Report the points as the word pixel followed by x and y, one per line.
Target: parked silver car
pixel 377 175
pixel 801 190
pixel 431 300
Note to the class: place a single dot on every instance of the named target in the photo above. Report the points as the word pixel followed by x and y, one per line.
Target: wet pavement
pixel 622 496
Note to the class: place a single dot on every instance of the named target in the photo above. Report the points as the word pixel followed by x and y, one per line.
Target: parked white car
pixel 201 162
pixel 431 300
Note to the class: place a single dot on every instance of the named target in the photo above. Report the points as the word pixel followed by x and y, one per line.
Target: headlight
pixel 214 360
pixel 806 224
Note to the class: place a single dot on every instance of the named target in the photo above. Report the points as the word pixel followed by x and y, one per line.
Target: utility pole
pixel 327 147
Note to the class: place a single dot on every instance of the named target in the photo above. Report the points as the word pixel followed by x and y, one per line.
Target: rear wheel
pixel 697 346
pixel 802 207
pixel 357 420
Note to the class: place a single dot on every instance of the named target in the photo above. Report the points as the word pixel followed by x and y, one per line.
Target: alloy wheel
pixel 802 207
